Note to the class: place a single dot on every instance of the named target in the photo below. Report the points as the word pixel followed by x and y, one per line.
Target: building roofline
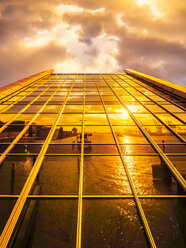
pixel 170 87
pixel 12 87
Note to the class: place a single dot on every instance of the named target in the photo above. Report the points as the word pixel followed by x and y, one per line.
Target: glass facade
pixel 92 160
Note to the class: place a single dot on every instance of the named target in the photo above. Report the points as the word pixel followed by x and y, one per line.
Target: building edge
pixel 12 87
pixel 174 89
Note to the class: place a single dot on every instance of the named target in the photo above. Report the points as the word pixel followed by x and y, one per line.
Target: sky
pixel 93 36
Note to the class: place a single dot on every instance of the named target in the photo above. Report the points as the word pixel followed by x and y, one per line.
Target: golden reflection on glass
pixel 130 134
pixel 121 119
pixel 150 176
pixel 182 116
pixel 73 108
pixel 180 130
pixel 147 119
pixel 99 134
pixel 35 134
pixel 66 134
pixel 135 108
pixel 3 107
pixel 51 109
pixel 169 119
pixel 97 119
pixel 94 108
pixel 109 176
pixel 161 133
pixel 114 108
pixel 172 108
pixel 6 117
pixel 45 119
pixel 33 108
pixel 154 108
pixel 71 119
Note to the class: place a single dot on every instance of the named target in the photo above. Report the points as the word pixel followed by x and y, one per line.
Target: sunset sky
pixel 93 36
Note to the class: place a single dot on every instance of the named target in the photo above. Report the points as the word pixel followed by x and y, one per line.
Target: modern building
pixel 92 161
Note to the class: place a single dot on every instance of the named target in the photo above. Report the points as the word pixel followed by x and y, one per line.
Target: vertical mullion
pixel 165 159
pixel 138 203
pixel 167 126
pixel 80 200
pixel 25 108
pixel 17 210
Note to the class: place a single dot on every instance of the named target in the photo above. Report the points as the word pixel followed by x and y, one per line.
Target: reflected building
pixel 92 160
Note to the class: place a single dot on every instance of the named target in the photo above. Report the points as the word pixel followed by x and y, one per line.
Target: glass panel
pixel 64 149
pixel 180 163
pixel 161 133
pixel 48 223
pixel 150 176
pixel 127 98
pixel 100 149
pixel 157 98
pixel 24 118
pixel 114 223
pixel 6 206
pixel 121 119
pixel 51 109
pixel 71 119
pixel 167 220
pixel 115 108
pixel 182 116
pixel 180 130
pixel 173 148
pixel 15 109
pixel 10 133
pixel 2 107
pixel 155 108
pixel 5 118
pixel 26 148
pixel 104 175
pixel 173 108
pixel 13 174
pixel 73 108
pixel 45 119
pixel 130 134
pixel 135 108
pixel 98 134
pixel 136 149
pixel 35 134
pixel 66 134
pixel 59 175
pixel 94 108
pixel 92 98
pixel 169 119
pixel 99 119
pixel 33 109
pixel 147 119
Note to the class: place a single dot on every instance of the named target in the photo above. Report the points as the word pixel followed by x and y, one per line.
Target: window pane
pixel 104 175
pixel 167 220
pixel 150 176
pixel 59 175
pixel 13 174
pixel 98 134
pixel 130 134
pixel 113 224
pixel 52 224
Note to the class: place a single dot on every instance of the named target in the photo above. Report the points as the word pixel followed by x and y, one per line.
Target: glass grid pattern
pixel 85 141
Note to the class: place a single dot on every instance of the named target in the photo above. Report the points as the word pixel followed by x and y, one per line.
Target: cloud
pixel 93 36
